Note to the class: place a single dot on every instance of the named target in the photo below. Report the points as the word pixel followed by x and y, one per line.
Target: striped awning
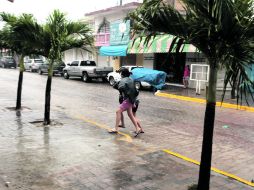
pixel 158 44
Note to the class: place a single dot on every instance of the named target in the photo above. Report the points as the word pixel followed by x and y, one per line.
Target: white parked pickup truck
pixel 86 70
pixel 115 77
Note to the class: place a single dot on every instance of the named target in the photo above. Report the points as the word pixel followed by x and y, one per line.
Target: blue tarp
pixel 153 77
pixel 113 50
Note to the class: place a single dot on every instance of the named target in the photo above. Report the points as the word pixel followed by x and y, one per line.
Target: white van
pixel 32 64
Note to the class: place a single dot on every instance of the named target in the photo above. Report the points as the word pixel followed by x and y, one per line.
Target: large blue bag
pixel 154 77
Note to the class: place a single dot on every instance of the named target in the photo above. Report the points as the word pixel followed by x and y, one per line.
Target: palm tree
pixel 53 38
pixel 222 30
pixel 62 36
pixel 12 39
pixel 50 40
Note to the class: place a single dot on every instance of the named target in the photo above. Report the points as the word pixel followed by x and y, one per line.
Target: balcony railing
pixel 102 39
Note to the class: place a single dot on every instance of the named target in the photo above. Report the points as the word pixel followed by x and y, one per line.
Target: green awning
pixel 158 44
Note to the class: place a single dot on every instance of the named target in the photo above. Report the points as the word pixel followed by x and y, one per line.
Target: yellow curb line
pixel 212 168
pixel 128 137
pixel 203 101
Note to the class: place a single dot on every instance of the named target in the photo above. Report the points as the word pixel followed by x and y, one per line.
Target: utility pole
pixel 121 2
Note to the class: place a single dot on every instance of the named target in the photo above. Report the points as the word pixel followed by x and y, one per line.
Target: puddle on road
pixel 61 107
pixel 14 108
pixel 53 123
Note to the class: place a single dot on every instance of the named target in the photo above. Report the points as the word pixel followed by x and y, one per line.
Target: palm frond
pixel 221 29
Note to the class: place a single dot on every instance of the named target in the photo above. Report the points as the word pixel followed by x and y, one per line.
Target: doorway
pixel 173 64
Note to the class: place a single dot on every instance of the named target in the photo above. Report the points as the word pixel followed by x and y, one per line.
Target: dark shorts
pixel 135 106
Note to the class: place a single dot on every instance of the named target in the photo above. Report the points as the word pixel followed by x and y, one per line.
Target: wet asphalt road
pixel 168 124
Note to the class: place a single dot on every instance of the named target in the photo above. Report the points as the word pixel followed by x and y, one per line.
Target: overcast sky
pixel 75 9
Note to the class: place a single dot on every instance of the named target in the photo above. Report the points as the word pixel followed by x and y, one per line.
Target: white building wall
pixel 104 61
pixel 76 54
pixel 148 61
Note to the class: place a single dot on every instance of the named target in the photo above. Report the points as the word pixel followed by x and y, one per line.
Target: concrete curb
pixel 203 101
pixel 212 168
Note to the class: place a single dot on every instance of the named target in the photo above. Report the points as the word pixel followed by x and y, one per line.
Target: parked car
pixel 57 68
pixel 32 64
pixel 87 70
pixel 8 62
pixel 115 76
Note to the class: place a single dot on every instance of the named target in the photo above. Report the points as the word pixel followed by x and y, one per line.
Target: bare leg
pixel 122 121
pixel 134 113
pixel 118 118
pixel 133 119
pixel 184 83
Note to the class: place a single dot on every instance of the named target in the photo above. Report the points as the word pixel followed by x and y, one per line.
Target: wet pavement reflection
pixel 79 154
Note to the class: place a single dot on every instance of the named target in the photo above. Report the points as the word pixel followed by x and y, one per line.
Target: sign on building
pixel 119 32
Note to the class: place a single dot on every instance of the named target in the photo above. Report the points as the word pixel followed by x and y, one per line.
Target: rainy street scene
pixel 126 95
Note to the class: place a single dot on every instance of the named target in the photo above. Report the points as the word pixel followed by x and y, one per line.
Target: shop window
pixel 104 27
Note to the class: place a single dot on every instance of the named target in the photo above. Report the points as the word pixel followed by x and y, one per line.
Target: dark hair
pixel 125 72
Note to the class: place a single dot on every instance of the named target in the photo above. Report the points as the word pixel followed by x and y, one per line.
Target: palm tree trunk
pixel 234 86
pixel 20 82
pixel 206 154
pixel 48 96
pixel 233 96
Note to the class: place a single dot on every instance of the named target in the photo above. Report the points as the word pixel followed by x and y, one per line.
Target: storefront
pixel 155 55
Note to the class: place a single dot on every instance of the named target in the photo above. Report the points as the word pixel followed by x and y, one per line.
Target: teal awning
pixel 113 50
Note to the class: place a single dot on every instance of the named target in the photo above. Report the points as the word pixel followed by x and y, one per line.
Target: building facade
pixel 112 39
pixel 112 35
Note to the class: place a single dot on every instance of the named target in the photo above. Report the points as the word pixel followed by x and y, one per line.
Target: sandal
pixel 121 126
pixel 137 133
pixel 140 132
pixel 113 131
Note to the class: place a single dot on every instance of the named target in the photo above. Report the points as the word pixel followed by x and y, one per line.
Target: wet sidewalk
pixel 75 155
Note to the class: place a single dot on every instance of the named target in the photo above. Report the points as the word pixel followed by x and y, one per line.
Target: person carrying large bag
pixel 129 93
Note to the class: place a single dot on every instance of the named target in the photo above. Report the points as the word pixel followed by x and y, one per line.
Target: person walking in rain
pixel 134 110
pixel 129 92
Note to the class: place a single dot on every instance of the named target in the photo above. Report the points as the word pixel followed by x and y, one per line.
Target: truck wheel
pixel 111 81
pixel 31 70
pixel 40 71
pixel 137 85
pixel 66 76
pixel 85 77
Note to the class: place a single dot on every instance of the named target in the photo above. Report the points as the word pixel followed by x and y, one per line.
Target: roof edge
pixel 113 8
